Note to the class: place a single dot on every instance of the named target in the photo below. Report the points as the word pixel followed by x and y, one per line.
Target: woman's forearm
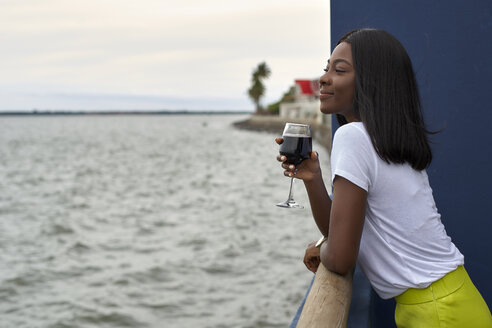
pixel 320 203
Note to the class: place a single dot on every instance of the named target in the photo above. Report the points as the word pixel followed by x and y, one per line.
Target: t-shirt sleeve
pixel 352 156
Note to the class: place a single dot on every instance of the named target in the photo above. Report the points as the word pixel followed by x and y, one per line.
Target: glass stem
pixel 291 194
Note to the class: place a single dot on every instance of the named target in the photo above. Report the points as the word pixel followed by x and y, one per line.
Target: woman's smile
pixel 325 95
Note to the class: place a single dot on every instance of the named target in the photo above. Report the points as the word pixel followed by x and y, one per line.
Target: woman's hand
pixel 312 257
pixel 308 170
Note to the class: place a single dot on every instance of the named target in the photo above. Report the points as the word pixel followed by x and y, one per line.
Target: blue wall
pixel 450 43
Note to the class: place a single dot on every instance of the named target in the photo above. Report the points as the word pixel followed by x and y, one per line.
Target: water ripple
pixel 146 221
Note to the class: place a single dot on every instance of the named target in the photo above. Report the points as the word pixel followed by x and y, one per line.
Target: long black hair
pixel 386 98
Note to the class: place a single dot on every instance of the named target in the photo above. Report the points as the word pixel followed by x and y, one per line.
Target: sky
pixel 155 54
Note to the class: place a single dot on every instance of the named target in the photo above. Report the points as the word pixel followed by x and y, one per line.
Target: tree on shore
pixel 288 96
pixel 257 89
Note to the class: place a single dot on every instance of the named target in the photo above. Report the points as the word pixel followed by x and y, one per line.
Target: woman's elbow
pixel 337 264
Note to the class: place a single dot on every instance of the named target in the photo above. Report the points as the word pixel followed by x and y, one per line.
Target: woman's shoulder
pixel 353 130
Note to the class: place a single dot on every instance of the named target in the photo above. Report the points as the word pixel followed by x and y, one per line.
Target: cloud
pixel 185 49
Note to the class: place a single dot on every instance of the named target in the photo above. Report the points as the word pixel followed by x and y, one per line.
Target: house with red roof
pixel 305 103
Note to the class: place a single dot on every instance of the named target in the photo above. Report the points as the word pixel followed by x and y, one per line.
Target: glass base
pixel 290 204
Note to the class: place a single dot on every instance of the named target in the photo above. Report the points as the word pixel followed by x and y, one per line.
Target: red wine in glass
pixel 296 147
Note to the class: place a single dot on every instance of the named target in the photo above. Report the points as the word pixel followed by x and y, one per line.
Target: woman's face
pixel 337 85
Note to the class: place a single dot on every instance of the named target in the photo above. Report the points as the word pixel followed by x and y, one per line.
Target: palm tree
pixel 257 89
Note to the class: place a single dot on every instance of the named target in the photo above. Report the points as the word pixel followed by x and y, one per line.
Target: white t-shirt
pixel 404 244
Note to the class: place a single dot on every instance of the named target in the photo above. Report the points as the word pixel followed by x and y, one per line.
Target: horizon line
pixel 120 112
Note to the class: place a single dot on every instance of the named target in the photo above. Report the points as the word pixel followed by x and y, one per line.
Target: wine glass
pixel 296 148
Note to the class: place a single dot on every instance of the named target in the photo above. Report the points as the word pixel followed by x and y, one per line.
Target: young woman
pixel 383 214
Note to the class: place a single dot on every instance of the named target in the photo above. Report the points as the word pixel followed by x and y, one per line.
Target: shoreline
pixel 275 124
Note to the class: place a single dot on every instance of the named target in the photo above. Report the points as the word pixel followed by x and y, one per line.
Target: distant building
pixel 305 103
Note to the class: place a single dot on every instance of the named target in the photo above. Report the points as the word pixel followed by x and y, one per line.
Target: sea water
pixel 147 221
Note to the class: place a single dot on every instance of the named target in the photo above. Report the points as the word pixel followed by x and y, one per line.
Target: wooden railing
pixel 327 304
